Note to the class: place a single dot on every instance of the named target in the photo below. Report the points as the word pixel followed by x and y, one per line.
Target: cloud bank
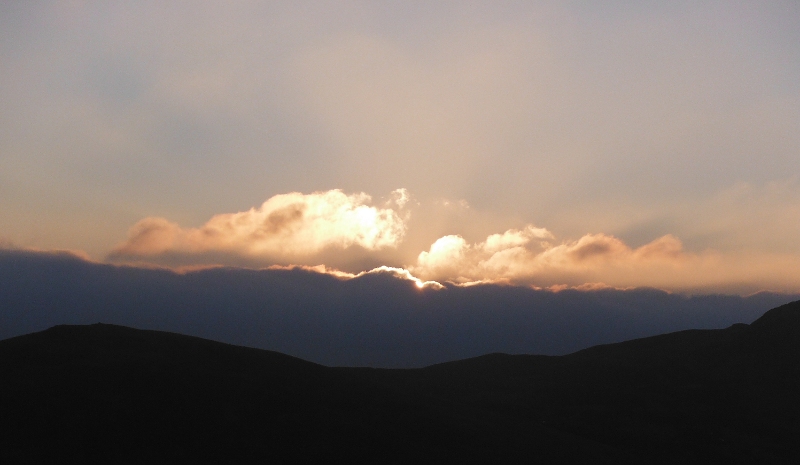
pixel 285 227
pixel 381 318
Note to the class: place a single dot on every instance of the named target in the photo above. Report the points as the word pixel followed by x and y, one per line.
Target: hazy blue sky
pixel 563 143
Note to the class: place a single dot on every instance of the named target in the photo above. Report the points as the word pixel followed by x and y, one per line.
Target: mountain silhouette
pixel 112 394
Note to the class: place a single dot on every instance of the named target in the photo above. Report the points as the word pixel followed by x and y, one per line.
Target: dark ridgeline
pixel 110 394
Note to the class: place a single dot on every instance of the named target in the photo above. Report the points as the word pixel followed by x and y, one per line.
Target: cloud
pixel 400 197
pixel 286 226
pixel 532 256
pixel 529 256
pixel 9 247
pixel 347 235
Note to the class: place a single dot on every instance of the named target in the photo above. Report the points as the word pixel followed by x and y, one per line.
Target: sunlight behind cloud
pixel 346 236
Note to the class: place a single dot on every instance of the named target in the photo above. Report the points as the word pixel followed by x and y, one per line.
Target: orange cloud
pixel 285 226
pixel 349 235
pixel 529 256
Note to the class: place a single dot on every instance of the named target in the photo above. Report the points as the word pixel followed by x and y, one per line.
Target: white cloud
pixel 446 258
pixel 285 226
pixel 528 256
pixel 349 236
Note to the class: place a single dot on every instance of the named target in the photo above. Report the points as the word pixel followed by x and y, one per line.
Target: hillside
pixel 106 393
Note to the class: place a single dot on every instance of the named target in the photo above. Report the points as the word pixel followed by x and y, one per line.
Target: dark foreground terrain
pixel 111 394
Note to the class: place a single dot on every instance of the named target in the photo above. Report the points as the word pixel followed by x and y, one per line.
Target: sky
pixel 545 144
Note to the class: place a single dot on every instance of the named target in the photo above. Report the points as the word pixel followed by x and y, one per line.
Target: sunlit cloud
pixel 530 256
pixel 399 273
pixel 399 197
pixel 286 226
pixel 347 236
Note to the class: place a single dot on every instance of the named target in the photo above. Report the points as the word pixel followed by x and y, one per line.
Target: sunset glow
pixel 490 231
pixel 536 144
